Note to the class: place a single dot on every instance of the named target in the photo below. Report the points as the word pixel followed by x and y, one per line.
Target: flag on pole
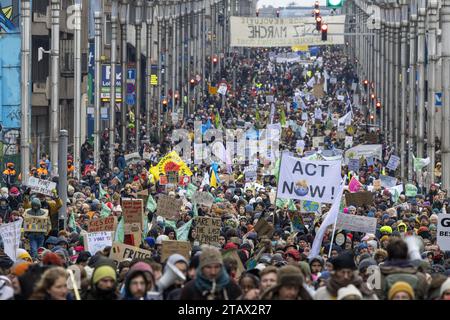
pixel 183 231
pixel 151 204
pixel 283 118
pixel 102 193
pixel 330 219
pixel 191 188
pixel 106 212
pixel 217 120
pixel 419 163
pixel 120 232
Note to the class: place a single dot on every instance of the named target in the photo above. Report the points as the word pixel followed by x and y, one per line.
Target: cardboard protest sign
pixel 41 186
pixel 443 232
pixel 102 224
pixel 120 252
pixel 37 223
pixel 377 184
pixel 134 230
pixel 393 162
pixel 355 223
pixel 207 229
pixel 232 253
pixel 132 158
pixel 97 241
pixel 318 142
pixel 172 177
pixel 133 210
pixel 10 235
pixel 170 247
pixel 143 195
pixel 305 179
pixel 263 228
pixel 318 91
pixel 387 181
pixel 359 198
pixel 203 198
pixel 169 207
pixel 348 141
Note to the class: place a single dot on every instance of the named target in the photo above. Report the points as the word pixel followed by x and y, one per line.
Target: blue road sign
pixel 131 99
pixel 438 99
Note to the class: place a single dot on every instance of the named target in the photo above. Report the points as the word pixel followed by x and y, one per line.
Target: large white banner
pixel 305 179
pixel 10 234
pixel 284 32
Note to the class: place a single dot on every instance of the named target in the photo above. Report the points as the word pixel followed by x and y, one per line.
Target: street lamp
pixel 124 13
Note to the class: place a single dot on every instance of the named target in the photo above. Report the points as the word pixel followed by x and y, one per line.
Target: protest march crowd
pixel 319 214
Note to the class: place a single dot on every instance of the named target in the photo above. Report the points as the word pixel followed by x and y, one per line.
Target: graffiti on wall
pixel 7 15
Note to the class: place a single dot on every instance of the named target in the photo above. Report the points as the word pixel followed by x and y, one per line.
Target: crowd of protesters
pixel 400 261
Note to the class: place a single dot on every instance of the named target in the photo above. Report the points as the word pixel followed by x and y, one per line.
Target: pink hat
pixel 345 210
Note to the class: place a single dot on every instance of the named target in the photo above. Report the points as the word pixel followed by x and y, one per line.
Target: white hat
pixel 445 286
pixel 161 238
pixel 349 290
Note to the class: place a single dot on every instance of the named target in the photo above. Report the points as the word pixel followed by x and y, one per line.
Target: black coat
pixel 190 292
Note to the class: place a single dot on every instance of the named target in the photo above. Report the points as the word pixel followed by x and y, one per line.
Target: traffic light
pixel 324 32
pixel 318 23
pixel 215 59
pixel 372 96
pixel 165 103
pixel 193 83
pixel 316 5
pixel 278 13
pixel 366 84
pixel 257 13
pixel 372 116
pixel 378 105
pixel 176 96
pixel 316 12
pixel 335 3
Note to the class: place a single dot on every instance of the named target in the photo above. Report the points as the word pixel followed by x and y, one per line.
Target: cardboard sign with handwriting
pixel 203 198
pixel 171 247
pixel 97 241
pixel 263 228
pixel 102 224
pixel 120 252
pixel 133 210
pixel 207 229
pixel 169 207
pixel 359 198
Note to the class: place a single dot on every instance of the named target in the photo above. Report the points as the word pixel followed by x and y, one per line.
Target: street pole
pixel 158 88
pixel 421 78
pixel 174 54
pixel 124 19
pixel 433 24
pixel 26 90
pixel 148 85
pixel 445 25
pixel 396 106
pixel 403 109
pixel 189 48
pixel 98 74
pixel 412 87
pixel 77 92
pixel 54 106
pixel 383 73
pixel 138 24
pixel 390 83
pixel 112 103
pixel 62 180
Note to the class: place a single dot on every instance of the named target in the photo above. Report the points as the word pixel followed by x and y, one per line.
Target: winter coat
pixel 230 292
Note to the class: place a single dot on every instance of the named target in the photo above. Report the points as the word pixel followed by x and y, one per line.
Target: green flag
pixel 419 163
pixel 410 190
pixel 102 193
pixel 106 212
pixel 151 204
pixel 72 223
pixel 217 120
pixel 280 203
pixel 120 232
pixel 170 223
pixel 276 169
pixel 283 118
pixel 291 205
pixel 183 231
pixel 191 188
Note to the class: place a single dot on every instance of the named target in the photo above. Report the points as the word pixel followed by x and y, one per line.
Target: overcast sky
pixel 283 3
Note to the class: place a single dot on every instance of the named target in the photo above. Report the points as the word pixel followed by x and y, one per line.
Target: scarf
pixel 334 285
pixel 206 286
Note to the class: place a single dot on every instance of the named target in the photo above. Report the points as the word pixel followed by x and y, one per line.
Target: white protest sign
pixel 356 223
pixel 223 89
pixel 203 198
pixel 308 179
pixel 97 241
pixel 393 162
pixel 443 232
pixel 10 234
pixel 318 114
pixel 132 157
pixel 348 141
pixel 387 181
pixel 318 142
pixel 300 146
pixel 41 186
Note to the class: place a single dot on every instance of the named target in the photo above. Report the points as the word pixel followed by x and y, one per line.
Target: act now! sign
pixel 312 180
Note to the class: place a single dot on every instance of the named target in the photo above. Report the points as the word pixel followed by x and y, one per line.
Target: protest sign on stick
pixel 169 207
pixel 207 230
pixel 120 252
pixel 170 247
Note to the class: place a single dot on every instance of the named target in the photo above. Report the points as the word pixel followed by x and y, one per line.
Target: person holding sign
pixel 37 225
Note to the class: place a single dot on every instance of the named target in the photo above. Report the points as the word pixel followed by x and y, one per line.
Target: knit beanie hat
pixel 22 254
pixel 104 271
pixel 344 261
pixel 399 287
pixel 19 268
pixel 210 255
pixel 349 290
pixel 445 286
pixel 290 276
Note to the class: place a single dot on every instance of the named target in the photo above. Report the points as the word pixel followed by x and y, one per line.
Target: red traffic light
pixel 372 96
pixel 324 29
pixel 378 105
pixel 164 102
pixel 176 96
pixel 215 59
pixel 318 23
pixel 192 81
pixel 365 82
pixel 372 117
